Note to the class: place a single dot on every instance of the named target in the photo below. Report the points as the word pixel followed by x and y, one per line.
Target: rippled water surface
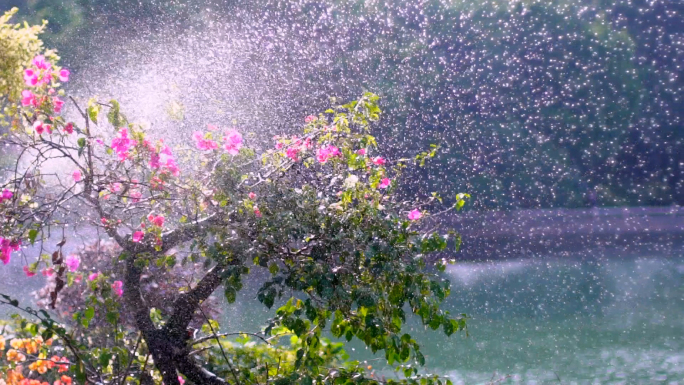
pixel 572 320
pixel 569 320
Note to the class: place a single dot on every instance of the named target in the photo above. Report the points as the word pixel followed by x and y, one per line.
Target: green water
pixel 552 320
pixel 571 320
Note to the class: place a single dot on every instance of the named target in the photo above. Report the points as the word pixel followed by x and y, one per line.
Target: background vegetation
pixel 565 103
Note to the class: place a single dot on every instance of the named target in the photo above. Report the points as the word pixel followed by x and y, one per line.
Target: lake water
pixel 572 320
pixel 613 319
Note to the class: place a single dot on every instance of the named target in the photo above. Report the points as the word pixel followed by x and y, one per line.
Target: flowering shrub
pixel 319 212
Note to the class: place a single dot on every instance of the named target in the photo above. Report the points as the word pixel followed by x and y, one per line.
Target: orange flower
pixel 14 376
pixel 42 365
pixel 17 343
pixel 2 343
pixel 15 356
pixel 64 380
pixel 62 367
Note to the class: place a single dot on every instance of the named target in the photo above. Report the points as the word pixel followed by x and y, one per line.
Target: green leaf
pixel 93 110
pixel 231 294
pixel 33 233
pixel 114 115
pixel 89 313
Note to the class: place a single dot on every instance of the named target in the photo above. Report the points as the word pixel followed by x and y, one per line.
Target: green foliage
pixel 18 45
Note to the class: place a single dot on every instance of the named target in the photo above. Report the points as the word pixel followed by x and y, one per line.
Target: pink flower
pixel 257 212
pixel 279 145
pixel 117 286
pixel 69 128
pixel 121 144
pixel 414 215
pixel 310 119
pixel 77 176
pixel 58 104
pixel 72 262
pixel 28 272
pixel 28 98
pixel 30 77
pixel 384 183
pixel 115 187
pixel 64 75
pixel 292 153
pixel 252 196
pixel 38 126
pixel 325 153
pixel 93 276
pixel 6 248
pixel 6 195
pixel 135 196
pixel 233 141
pixel 138 236
pixel 49 272
pixel 361 151
pixel 157 220
pixel 378 160
pixel 181 380
pixel 211 127
pixel 40 62
pixel 202 143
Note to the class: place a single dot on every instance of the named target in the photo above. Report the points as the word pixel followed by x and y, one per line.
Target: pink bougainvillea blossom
pixel 415 214
pixel 203 144
pixel 49 272
pixel 30 77
pixel 121 144
pixel 233 142
pixel 28 98
pixel 69 128
pixel 380 161
pixel 77 176
pixel 310 118
pixel 58 104
pixel 384 183
pixel 257 212
pixel 361 151
pixel 40 62
pixel 135 196
pixel 29 273
pixel 93 276
pixel 279 145
pixel 117 286
pixel 252 196
pixel 157 220
pixel 327 152
pixel 64 75
pixel 138 236
pixel 6 195
pixel 292 153
pixel 72 262
pixel 6 249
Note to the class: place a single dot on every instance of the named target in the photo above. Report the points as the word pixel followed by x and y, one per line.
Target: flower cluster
pixel 6 248
pixel 325 153
pixel 232 140
pixel 34 352
pixel 6 195
pixel 42 78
